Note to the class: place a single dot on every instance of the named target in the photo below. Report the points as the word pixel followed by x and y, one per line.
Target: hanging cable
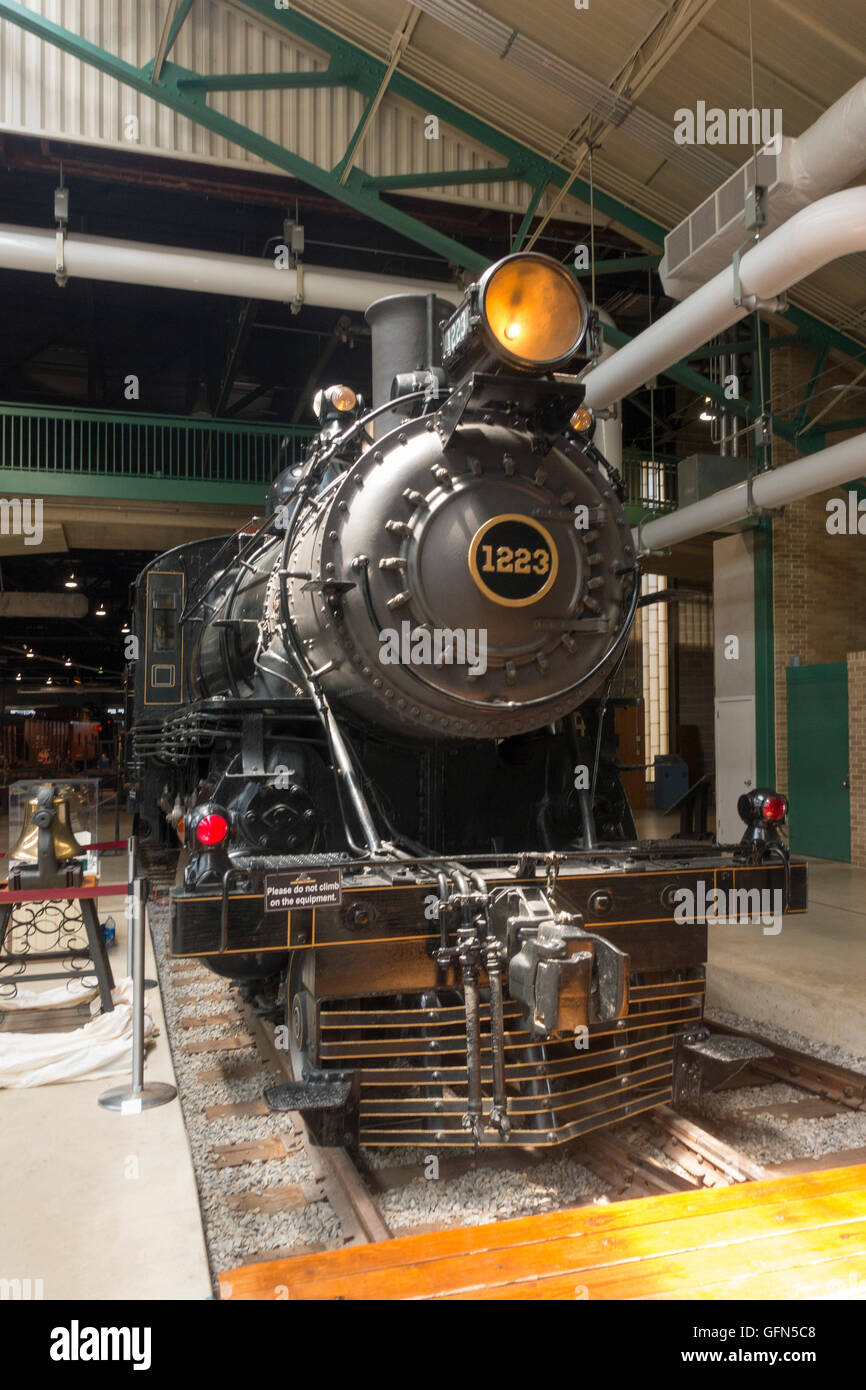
pixel 649 281
pixel 592 227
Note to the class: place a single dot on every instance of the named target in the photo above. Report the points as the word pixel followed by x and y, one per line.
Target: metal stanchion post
pixel 130 900
pixel 129 1100
pixel 117 789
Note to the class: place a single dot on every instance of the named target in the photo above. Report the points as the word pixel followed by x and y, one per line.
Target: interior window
pixel 164 623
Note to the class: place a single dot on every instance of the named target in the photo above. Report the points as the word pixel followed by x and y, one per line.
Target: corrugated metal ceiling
pixel 805 59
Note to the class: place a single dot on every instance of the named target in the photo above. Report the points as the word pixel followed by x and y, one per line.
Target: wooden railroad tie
pixel 273 1199
pixel 237 1109
pixel 207 1020
pixel 231 1070
pixel 254 1151
pixel 231 1044
pixel 210 998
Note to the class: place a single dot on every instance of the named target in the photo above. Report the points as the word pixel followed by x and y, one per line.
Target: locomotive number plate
pixel 303 888
pixel 513 560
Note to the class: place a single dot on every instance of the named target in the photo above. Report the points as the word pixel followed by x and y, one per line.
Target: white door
pixel 735 762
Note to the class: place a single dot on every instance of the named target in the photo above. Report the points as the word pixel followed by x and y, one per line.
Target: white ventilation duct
pixel 778 486
pixel 176 268
pixel 795 172
pixel 833 227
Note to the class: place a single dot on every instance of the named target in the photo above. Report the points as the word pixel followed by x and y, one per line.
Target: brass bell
pixel 46 811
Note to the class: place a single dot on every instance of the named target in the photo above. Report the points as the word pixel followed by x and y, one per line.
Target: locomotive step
pixel 308 1096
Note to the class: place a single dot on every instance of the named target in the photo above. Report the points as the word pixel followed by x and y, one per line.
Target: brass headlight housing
pixel 533 310
pixel 526 312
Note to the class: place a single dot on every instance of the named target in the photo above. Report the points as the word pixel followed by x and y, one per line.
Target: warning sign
pixel 303 888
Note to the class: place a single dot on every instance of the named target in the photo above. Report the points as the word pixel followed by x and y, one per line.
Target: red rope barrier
pixel 41 895
pixel 101 844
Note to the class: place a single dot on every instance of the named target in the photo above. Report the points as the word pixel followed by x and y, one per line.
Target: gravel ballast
pixel 427 1199
pixel 475 1197
pixel 232 1236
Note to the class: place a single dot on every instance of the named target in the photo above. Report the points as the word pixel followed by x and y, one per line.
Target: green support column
pixel 765 641
pixel 765 656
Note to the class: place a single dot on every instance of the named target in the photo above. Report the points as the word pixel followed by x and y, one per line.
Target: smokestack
pixel 405 332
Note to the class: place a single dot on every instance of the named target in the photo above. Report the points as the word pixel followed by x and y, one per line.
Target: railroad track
pixel 159 867
pixel 335 1177
pixel 341 1182
pixel 840 1085
pixel 659 1152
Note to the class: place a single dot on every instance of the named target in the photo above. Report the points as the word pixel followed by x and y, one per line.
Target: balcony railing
pixel 173 448
pixel 649 484
pixel 65 450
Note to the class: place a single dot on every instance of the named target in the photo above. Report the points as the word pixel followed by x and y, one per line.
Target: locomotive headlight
pixel 343 398
pixel 582 420
pixel 525 312
pixel 340 398
pixel 533 310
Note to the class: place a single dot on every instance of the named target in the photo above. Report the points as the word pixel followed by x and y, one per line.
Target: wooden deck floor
pixel 793 1237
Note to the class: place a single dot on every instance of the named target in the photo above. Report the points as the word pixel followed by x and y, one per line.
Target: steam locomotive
pixel 378 720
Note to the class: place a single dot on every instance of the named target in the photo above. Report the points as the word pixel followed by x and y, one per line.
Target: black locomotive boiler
pixel 377 719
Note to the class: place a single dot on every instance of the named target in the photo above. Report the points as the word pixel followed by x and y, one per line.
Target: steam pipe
pixel 833 227
pixel 178 268
pixel 815 473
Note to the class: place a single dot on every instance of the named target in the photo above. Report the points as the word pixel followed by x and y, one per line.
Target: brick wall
pixel 857 753
pixel 818 579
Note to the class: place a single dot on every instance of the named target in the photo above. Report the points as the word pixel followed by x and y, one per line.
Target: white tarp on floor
pixel 100 1048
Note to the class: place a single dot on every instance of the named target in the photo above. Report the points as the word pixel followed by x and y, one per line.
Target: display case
pixel 81 795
